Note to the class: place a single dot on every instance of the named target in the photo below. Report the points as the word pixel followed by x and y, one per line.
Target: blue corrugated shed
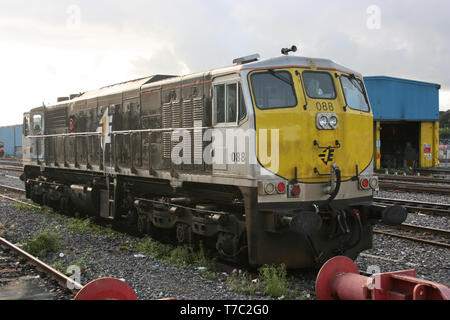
pixel 11 137
pixel 395 99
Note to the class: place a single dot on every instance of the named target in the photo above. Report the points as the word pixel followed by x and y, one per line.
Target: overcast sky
pixel 55 48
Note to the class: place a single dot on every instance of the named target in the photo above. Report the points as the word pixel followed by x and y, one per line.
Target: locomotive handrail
pixel 114 132
pixel 66 135
pixel 156 130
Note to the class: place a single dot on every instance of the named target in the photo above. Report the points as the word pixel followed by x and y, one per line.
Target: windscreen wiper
pixel 289 82
pixel 359 86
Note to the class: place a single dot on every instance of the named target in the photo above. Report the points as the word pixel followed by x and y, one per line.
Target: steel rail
pixel 419 187
pixel 62 279
pixel 409 227
pixel 11 168
pixel 417 179
pixel 12 189
pixel 417 206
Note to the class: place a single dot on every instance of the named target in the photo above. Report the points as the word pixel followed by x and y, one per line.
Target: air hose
pixel 338 186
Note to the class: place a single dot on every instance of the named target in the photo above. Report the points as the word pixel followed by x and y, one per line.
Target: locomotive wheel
pixel 184 233
pixel 132 217
pixel 142 224
pixel 36 198
pixel 66 206
pixel 46 199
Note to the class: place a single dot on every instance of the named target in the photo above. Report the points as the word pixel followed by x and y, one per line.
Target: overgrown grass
pixel 271 281
pixel 240 281
pixel 29 207
pixel 180 256
pixel 61 267
pixel 43 243
pixel 274 279
pixel 87 226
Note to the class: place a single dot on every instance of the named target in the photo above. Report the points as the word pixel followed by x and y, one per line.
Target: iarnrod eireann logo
pixel 327 155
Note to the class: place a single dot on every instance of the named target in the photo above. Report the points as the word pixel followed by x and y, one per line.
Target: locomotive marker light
pixel 281 188
pixel 340 279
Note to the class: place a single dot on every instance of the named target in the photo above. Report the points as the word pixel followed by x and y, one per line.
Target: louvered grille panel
pixel 167 148
pixel 56 118
pixel 167 115
pixel 176 114
pixel 188 121
pixel 198 109
pixel 167 123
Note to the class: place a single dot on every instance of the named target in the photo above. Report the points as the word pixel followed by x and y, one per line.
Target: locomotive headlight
pixel 326 121
pixel 333 121
pixel 323 121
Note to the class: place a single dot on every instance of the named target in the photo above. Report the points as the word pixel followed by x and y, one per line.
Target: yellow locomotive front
pixel 314 129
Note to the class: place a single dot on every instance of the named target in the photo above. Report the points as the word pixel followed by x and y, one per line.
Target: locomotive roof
pixel 297 61
pixel 122 87
pixel 281 61
pixel 146 82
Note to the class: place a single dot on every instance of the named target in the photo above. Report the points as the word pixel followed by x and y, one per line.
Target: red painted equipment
pixel 339 279
pixel 106 289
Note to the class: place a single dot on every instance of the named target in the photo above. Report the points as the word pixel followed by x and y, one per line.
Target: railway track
pixel 441 170
pixel 429 208
pixel 18 270
pixel 415 187
pixel 11 168
pixel 11 162
pixel 415 179
pixel 431 236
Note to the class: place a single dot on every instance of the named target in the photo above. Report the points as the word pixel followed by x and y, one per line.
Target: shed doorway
pixel 400 143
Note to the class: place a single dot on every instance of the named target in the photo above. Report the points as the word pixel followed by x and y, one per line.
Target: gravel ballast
pixel 105 255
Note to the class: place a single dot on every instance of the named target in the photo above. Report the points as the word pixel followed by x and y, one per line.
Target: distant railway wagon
pixel 11 138
pixel 268 160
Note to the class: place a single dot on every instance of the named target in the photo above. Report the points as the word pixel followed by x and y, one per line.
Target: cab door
pixel 229 137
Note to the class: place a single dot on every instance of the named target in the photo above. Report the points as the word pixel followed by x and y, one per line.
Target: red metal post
pixel 339 279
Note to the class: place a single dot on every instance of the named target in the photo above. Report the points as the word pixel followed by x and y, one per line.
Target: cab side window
pixel 26 125
pixel 37 124
pixel 229 103
pixel 242 108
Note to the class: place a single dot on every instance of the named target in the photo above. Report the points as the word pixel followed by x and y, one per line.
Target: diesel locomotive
pixel 270 160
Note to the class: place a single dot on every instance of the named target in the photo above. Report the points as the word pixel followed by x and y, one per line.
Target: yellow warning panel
pixel 429 144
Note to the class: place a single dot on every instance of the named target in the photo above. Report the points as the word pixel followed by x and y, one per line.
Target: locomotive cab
pixel 313 125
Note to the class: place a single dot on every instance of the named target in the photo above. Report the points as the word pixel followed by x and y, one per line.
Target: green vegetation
pixel 240 281
pixel 43 243
pixel 180 256
pixel 80 262
pixel 274 278
pixel 444 125
pixel 87 226
pixel 28 207
pixel 271 281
